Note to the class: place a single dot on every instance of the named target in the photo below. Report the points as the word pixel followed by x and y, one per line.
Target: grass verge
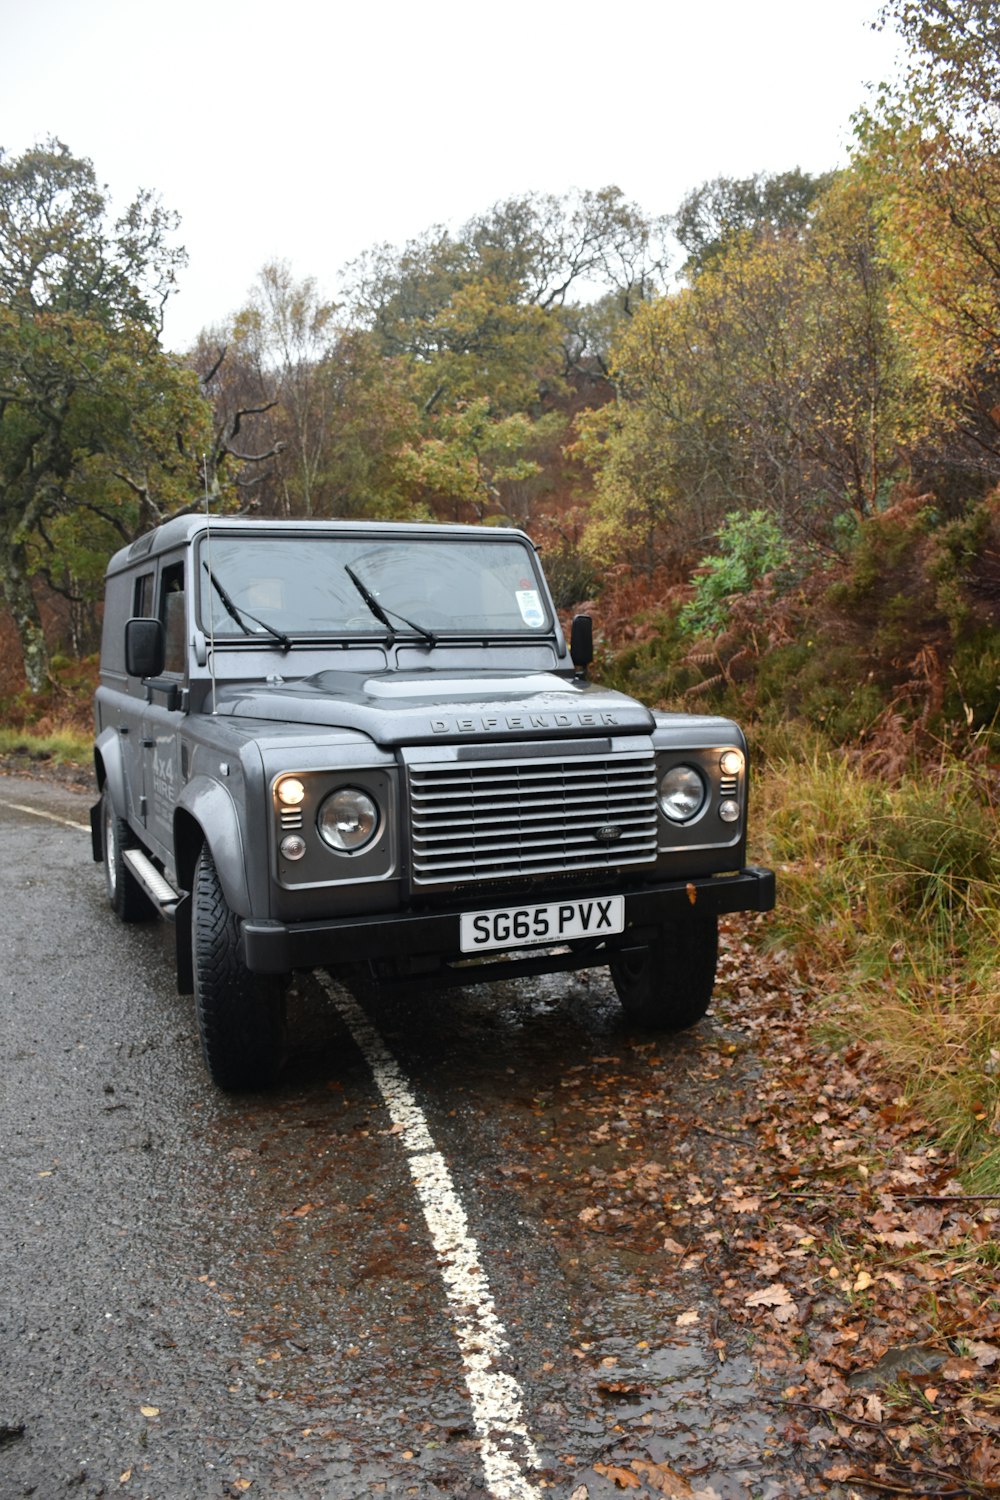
pixel 889 900
pixel 60 747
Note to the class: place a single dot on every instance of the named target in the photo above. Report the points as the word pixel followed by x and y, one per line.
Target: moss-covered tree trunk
pixel 20 600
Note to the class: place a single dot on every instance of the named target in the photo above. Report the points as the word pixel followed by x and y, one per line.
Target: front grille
pixel 507 820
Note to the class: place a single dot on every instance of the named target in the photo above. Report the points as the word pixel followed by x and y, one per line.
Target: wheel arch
pixel 109 767
pixel 206 814
pixel 109 773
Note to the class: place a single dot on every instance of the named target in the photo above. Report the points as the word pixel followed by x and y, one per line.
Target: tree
pixel 555 247
pixel 491 329
pixel 287 332
pixel 465 458
pixel 712 216
pixel 244 443
pixel 771 382
pixel 376 425
pixel 930 146
pixel 95 420
pixel 500 310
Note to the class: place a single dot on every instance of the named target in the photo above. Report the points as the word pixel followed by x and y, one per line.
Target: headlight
pixel 682 794
pixel 348 820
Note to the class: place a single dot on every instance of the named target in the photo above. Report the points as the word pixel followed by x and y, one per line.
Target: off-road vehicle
pixel 367 746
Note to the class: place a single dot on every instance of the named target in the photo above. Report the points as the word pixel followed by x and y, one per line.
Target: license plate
pixel 555 922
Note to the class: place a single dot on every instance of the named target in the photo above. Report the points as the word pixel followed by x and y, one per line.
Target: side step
pixel 154 883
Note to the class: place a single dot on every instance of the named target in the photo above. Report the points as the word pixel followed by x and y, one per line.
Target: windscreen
pixel 303 586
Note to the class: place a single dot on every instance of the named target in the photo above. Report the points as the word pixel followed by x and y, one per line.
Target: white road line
pixel 496 1396
pixel 36 812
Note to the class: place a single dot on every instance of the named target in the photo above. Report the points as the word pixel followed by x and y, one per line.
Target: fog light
pixel 294 846
pixel 290 792
pixel 729 811
pixel 731 762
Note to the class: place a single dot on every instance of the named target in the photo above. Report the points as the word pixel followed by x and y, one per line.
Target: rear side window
pixel 142 600
pixel 172 614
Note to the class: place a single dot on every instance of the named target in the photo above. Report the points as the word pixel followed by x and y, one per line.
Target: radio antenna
pixel 211 601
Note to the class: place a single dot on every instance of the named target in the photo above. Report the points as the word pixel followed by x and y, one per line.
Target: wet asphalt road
pixel 205 1296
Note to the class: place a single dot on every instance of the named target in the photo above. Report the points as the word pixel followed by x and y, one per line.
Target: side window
pixel 142 602
pixel 172 615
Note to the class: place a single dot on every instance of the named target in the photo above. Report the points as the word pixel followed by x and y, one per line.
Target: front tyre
pixel 127 897
pixel 668 985
pixel 241 1016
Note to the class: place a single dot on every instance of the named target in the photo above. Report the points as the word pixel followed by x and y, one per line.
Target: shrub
pixel 750 546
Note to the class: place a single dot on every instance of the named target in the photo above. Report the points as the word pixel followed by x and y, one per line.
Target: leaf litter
pixel 840 1253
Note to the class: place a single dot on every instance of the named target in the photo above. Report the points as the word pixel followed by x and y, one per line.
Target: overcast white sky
pixel 308 131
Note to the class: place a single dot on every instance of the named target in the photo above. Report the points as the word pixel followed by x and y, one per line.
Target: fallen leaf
pixel 960 1369
pixel 305 1208
pixel 897 1238
pixel 624 1387
pixel 687 1319
pixel 863 1281
pixel 663 1480
pixel 775 1295
pixel 692 893
pixel 150 1411
pixel 624 1478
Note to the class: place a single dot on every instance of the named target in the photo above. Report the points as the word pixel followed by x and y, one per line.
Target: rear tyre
pixel 127 897
pixel 668 986
pixel 241 1016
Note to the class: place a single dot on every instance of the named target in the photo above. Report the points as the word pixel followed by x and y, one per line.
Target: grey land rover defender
pixel 366 746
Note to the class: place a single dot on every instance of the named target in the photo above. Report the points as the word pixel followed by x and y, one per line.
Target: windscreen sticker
pixel 531 608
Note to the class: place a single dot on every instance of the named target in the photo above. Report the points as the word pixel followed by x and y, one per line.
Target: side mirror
pixel 581 643
pixel 145 647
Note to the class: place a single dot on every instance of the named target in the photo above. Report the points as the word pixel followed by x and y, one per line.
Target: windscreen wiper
pixel 382 611
pixel 241 616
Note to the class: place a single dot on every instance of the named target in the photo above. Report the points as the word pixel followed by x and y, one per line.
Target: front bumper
pixel 277 947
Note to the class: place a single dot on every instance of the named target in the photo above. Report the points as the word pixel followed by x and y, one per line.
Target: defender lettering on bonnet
pixel 283 758
pixel 489 723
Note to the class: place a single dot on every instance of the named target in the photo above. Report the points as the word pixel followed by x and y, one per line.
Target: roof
pixel 181 530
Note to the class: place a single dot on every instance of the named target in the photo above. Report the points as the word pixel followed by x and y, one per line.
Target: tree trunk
pixel 20 598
